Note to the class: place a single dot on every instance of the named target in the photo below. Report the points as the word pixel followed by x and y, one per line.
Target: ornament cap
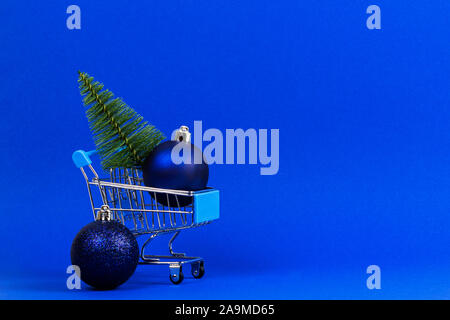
pixel 182 134
pixel 104 214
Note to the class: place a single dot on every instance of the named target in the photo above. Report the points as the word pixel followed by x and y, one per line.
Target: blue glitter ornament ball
pixel 160 172
pixel 106 252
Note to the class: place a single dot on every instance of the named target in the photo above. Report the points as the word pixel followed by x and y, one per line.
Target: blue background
pixel 364 129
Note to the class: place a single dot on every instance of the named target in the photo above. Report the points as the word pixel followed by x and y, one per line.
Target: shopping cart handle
pixel 82 158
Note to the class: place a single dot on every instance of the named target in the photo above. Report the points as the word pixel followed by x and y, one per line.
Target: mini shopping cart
pixel 123 197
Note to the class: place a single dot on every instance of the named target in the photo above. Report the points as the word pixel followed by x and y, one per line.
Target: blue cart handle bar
pixel 82 158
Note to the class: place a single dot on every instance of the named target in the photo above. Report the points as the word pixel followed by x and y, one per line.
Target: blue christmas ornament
pixel 106 252
pixel 160 171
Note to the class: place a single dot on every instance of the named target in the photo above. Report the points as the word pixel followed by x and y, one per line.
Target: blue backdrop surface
pixel 364 130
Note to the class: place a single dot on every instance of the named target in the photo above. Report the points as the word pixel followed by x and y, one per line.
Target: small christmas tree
pixel 122 137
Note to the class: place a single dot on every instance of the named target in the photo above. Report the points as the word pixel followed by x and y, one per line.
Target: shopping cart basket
pixel 124 198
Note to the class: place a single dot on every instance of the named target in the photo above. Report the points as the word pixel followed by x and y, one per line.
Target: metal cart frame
pixel 124 198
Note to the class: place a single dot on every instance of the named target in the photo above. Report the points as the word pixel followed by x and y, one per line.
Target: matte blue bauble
pixel 160 172
pixel 106 252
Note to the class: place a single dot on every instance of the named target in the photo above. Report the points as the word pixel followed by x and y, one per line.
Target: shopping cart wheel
pixel 198 269
pixel 176 274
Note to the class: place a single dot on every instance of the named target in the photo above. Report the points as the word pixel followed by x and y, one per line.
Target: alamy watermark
pixel 74 20
pixel 255 141
pixel 73 281
pixel 374 280
pixel 374 20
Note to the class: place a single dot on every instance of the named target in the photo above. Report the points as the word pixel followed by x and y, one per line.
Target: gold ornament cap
pixel 183 134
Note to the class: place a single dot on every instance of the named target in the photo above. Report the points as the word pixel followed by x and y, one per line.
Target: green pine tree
pixel 122 137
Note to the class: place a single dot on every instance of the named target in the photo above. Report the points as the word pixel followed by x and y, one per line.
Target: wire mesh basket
pixel 127 200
